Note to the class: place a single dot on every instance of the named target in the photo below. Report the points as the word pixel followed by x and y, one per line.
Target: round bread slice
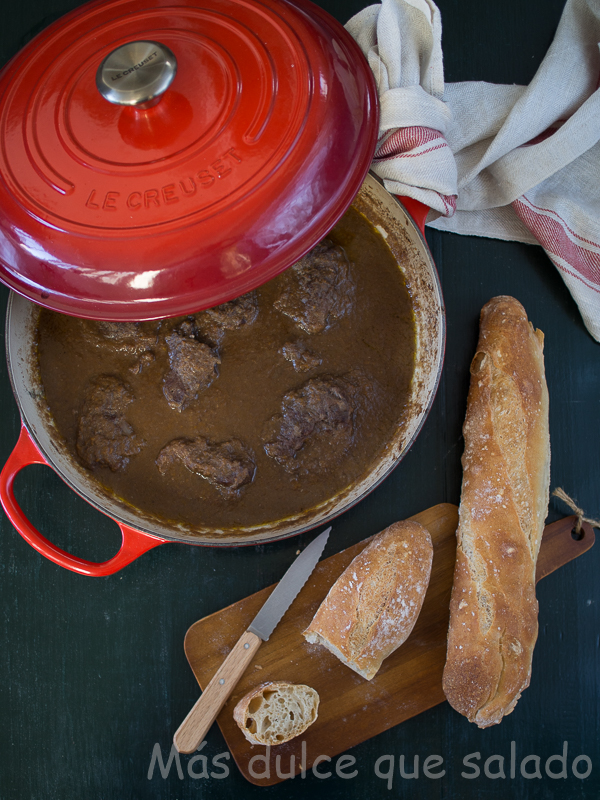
pixel 275 712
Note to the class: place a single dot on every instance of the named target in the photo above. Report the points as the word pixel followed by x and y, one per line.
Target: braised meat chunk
pixel 316 424
pixel 104 437
pixel 210 325
pixel 227 466
pixel 318 289
pixel 129 338
pixel 240 311
pixel 124 337
pixel 193 367
pixel 300 356
pixel 205 329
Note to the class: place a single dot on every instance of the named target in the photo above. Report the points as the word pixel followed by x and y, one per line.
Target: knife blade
pixel 194 727
pixel 282 596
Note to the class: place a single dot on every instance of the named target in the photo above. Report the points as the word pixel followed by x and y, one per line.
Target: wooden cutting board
pixel 352 709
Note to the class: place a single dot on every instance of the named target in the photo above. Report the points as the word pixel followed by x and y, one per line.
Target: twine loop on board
pixel 581 518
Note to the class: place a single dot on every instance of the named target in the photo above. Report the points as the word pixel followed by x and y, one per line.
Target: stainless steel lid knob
pixel 136 74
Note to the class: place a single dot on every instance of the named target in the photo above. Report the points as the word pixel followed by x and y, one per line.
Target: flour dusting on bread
pixel 503 507
pixel 372 608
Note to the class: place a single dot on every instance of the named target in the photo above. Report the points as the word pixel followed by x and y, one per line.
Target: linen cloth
pixel 509 162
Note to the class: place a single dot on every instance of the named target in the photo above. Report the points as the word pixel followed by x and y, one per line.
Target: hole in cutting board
pixel 578 536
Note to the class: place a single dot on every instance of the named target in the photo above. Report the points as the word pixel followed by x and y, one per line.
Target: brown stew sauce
pixel 377 337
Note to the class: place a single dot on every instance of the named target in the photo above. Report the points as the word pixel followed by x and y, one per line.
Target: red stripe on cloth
pixel 541 137
pixel 406 139
pixel 577 276
pixel 553 237
pixel 449 201
pixel 401 142
pixel 378 160
pixel 562 221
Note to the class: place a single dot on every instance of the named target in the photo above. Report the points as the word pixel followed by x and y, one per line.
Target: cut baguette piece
pixel 503 506
pixel 275 712
pixel 372 607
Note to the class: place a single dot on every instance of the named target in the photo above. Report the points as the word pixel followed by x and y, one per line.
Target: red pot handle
pixel 134 543
pixel 417 210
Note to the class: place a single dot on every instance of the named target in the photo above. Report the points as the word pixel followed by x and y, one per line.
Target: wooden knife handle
pixel 195 726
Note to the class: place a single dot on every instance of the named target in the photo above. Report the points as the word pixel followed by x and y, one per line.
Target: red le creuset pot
pixel 236 137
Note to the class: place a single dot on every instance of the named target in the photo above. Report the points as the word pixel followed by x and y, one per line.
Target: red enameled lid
pixel 203 190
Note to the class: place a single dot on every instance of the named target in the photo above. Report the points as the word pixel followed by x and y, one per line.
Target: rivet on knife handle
pixel 195 726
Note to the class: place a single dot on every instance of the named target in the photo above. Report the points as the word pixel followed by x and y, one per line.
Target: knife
pixel 194 727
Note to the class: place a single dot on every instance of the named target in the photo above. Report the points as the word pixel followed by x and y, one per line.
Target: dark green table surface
pixel 93 672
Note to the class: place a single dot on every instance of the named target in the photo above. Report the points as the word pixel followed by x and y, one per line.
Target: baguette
pixel 373 606
pixel 503 506
pixel 275 712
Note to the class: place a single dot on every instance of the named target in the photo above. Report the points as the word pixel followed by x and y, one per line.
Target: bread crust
pixel 306 712
pixel 372 607
pixel 503 507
